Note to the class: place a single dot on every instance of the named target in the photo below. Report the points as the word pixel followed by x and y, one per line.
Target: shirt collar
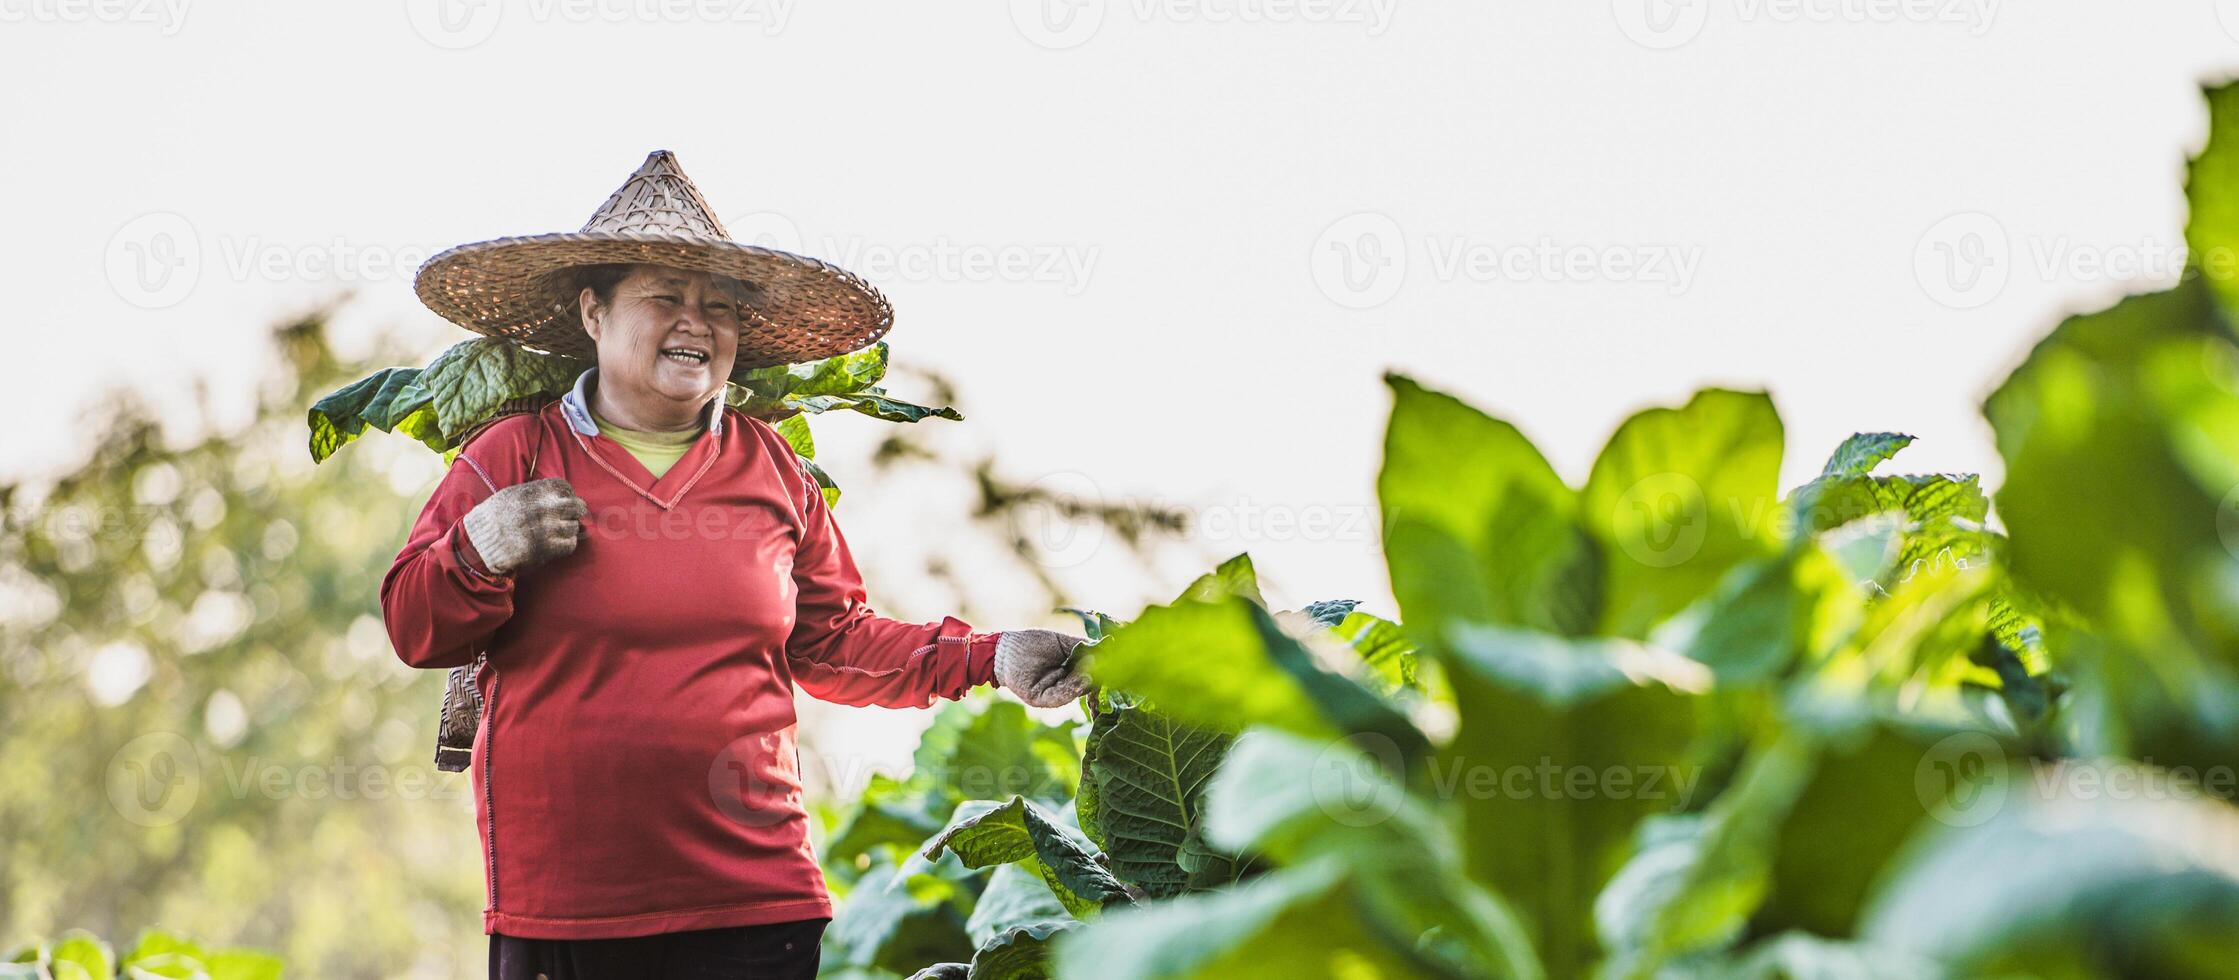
pixel 576 405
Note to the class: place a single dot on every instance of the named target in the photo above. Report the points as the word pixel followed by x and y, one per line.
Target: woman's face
pixel 668 338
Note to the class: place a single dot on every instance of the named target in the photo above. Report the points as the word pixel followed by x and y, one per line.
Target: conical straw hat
pixel 523 289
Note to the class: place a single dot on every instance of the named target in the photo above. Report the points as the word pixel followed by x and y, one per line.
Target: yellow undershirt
pixel 657 451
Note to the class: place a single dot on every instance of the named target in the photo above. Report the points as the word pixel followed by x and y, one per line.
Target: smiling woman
pixel 666 341
pixel 637 785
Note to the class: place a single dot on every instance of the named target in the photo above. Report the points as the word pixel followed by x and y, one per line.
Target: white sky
pixel 1184 161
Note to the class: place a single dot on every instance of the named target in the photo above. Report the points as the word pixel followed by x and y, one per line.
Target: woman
pixel 644 575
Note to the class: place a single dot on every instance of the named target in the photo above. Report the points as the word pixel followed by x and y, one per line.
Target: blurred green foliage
pixel 157 955
pixel 207 731
pixel 1679 723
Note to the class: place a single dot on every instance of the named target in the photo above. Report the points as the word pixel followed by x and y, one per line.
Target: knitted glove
pixel 526 525
pixel 1037 665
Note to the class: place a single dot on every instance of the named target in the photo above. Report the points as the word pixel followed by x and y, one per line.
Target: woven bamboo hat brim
pixel 524 289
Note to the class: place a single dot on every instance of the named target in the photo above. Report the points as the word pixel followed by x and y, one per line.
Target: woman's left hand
pixel 1039 667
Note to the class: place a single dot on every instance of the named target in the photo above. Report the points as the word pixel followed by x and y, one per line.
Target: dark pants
pixel 778 951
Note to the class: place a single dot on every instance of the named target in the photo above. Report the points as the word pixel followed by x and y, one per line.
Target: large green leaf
pixel 1841 804
pixel 890 817
pixel 984 834
pixel 468 383
pixel 847 381
pixel 1859 454
pixel 162 954
pixel 1802 956
pixel 1021 952
pixel 2073 883
pixel 1299 801
pixel 992 748
pixel 381 399
pixel 1228 664
pixel 1297 922
pixel 2121 440
pixel 82 956
pixel 476 379
pixel 1564 746
pixel 1148 772
pixel 1477 525
pixel 1832 501
pixel 1234 577
pixel 1014 896
pixel 2212 189
pixel 764 392
pixel 1390 655
pixel 2115 465
pixel 895 923
pixel 1678 497
pixel 1203 663
pixel 1770 613
pixel 1694 880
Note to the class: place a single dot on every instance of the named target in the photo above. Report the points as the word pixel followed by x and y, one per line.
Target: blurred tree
pixel 207 731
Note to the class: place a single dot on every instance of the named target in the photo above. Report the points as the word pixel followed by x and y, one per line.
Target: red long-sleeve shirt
pixel 635 771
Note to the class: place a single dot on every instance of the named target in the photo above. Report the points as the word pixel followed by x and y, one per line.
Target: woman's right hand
pixel 526 525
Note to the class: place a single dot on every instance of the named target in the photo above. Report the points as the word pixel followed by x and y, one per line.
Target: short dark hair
pixel 601 280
